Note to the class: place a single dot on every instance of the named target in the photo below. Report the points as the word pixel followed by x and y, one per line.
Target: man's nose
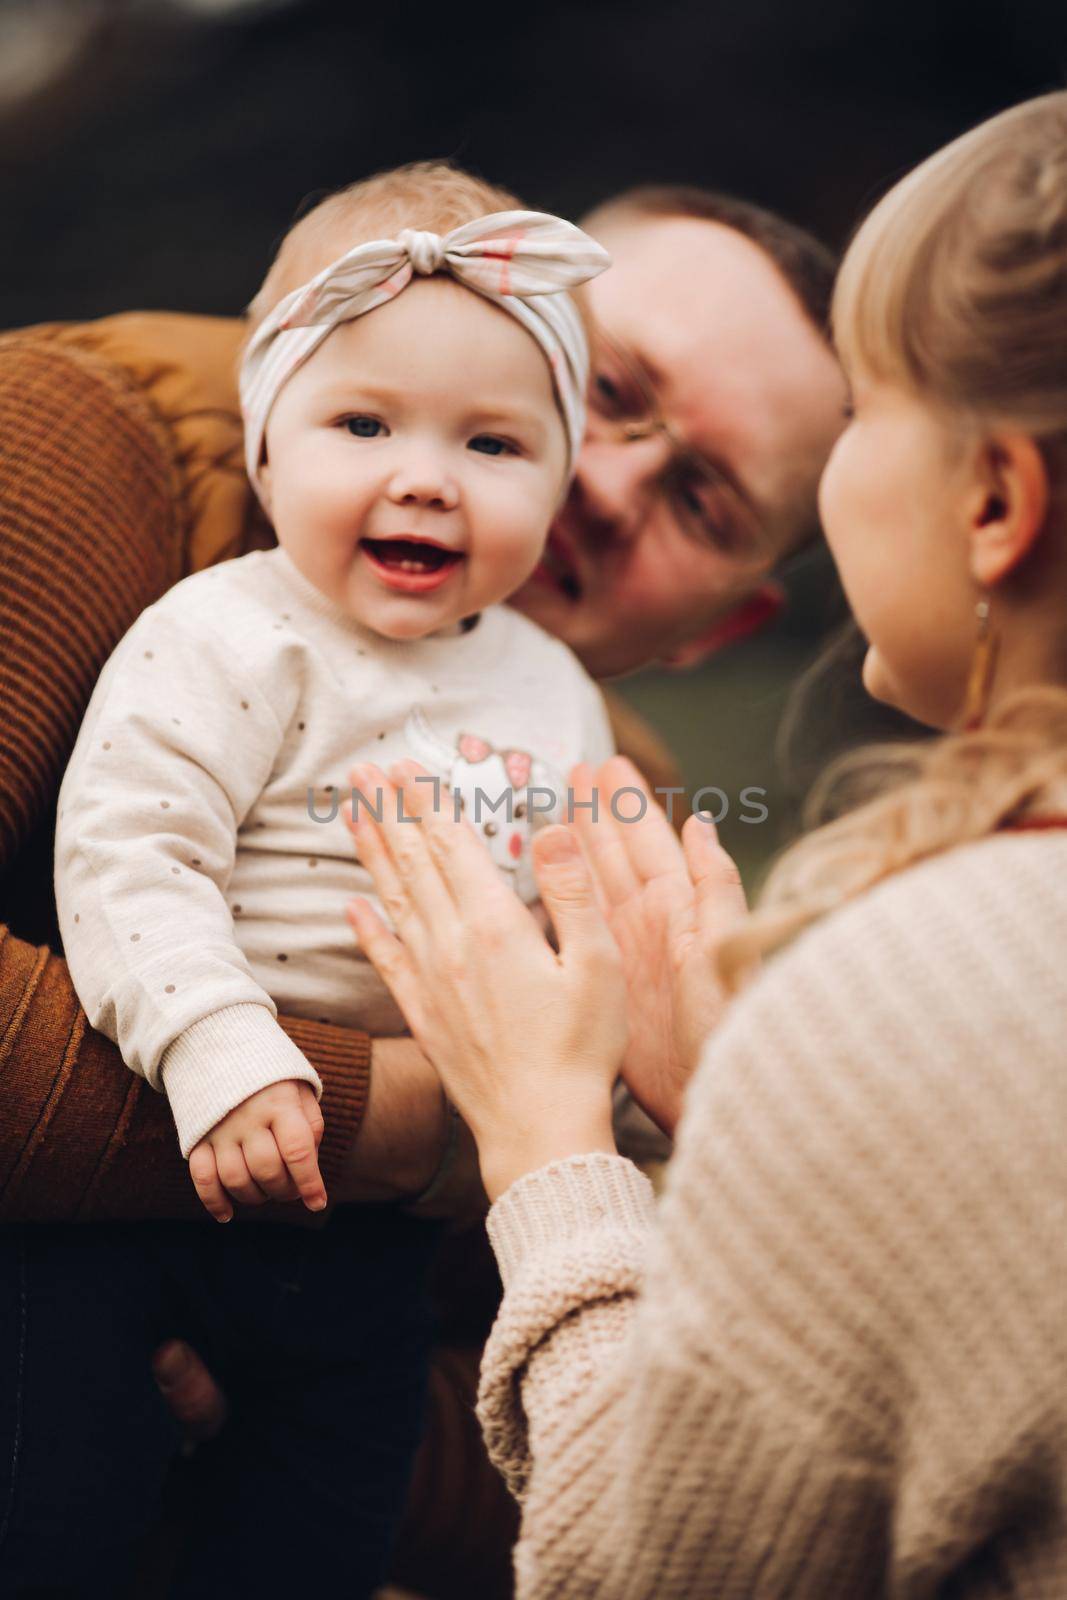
pixel 615 482
pixel 423 479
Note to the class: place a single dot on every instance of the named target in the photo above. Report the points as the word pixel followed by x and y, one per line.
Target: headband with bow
pixel 523 261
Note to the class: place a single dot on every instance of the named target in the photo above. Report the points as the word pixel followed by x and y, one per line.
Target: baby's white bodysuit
pixel 202 866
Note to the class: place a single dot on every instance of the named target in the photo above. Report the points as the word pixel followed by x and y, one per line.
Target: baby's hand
pixel 265 1149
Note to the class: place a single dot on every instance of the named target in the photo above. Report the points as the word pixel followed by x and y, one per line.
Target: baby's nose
pixel 421 478
pixel 515 845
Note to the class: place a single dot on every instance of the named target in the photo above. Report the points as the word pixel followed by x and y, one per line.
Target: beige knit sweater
pixel 833 1362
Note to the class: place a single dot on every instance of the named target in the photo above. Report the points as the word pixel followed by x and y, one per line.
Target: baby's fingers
pixel 205 1176
pixel 235 1176
pixel 265 1165
pixel 309 1105
pixel 299 1151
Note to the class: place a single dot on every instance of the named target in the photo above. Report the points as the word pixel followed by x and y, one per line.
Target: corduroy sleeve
pixel 91 532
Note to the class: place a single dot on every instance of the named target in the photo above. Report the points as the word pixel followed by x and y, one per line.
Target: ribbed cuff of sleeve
pixel 222 1059
pixel 567 1200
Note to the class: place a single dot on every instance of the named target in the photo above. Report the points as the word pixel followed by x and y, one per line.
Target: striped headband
pixel 523 261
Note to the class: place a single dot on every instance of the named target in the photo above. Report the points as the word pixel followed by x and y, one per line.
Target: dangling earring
pixel 983 666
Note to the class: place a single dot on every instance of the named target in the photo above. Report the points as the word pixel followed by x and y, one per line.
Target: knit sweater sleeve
pixel 833 1360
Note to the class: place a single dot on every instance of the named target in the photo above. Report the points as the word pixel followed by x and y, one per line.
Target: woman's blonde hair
pixel 954 288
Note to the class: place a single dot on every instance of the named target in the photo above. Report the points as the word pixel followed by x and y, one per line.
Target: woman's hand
pixel 668 906
pixel 527 1041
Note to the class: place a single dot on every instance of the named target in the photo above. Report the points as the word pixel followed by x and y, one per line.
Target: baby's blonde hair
pixel 433 196
pixel 955 289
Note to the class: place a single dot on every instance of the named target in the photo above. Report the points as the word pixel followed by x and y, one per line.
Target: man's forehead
pixel 736 363
pixel 691 296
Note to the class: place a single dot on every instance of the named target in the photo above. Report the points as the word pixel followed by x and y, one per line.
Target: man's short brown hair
pixel 807 266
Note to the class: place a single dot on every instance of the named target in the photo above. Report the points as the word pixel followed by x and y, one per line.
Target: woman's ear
pixel 1009 507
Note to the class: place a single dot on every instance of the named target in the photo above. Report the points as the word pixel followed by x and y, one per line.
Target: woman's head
pixel 948 485
pixel 950 316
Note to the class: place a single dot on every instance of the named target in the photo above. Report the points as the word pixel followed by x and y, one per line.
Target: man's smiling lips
pixel 410 565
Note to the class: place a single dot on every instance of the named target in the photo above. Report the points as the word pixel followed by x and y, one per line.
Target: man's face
pixel 644 556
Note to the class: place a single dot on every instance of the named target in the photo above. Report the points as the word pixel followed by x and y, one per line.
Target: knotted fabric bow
pixel 523 261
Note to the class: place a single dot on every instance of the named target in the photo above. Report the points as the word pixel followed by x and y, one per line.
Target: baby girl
pixel 412 390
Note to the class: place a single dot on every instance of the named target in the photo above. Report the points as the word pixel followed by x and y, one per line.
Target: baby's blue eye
pixel 488 445
pixel 363 427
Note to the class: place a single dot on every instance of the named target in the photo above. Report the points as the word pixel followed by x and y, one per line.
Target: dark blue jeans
pixel 320 1338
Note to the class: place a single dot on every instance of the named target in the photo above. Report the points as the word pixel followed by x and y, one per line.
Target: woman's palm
pixel 668 908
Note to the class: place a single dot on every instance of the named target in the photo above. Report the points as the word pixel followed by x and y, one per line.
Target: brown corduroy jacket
pixel 120 472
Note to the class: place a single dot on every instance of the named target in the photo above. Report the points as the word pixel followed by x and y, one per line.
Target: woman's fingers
pixel 387 956
pixel 650 843
pixel 720 894
pixel 627 838
pixel 460 863
pixel 362 822
pixel 569 895
pixel 205 1175
pixel 395 848
pixel 601 838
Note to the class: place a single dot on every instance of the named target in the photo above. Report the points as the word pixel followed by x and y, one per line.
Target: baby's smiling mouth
pixel 411 555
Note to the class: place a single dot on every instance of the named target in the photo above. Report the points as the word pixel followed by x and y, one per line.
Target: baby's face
pixel 413 464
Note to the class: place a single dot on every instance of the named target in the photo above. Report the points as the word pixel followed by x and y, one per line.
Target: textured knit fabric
pixel 202 866
pixel 833 1361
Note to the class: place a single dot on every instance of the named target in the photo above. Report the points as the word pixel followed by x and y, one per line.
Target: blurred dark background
pixel 152 152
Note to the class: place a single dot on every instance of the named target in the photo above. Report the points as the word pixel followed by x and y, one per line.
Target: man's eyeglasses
pixel 699 497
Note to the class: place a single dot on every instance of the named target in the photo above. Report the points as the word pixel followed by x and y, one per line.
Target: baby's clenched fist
pixel 264 1149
